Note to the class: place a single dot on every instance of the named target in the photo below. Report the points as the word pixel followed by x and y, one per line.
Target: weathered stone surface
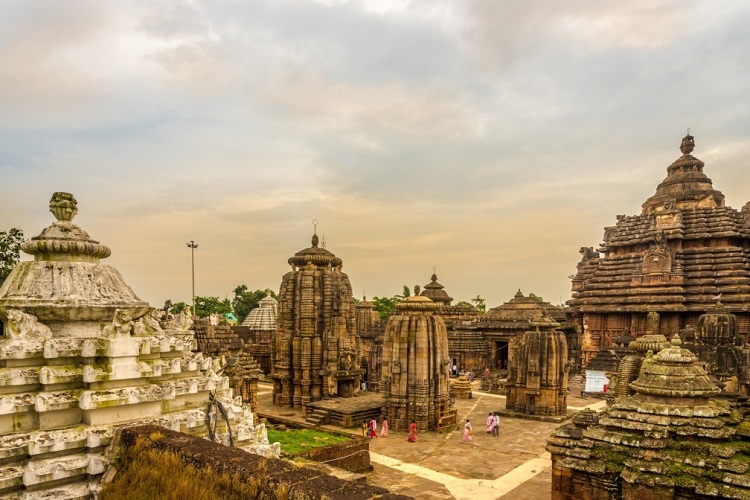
pixel 315 347
pixel 538 371
pixel 416 368
pixel 667 440
pixel 683 250
pixel 83 356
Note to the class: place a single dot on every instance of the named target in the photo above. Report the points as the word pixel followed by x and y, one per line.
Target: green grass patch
pixel 294 441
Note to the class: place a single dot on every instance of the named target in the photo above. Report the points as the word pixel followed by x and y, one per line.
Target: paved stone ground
pixel 443 466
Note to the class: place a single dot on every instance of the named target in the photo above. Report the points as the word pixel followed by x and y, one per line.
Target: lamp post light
pixel 192 246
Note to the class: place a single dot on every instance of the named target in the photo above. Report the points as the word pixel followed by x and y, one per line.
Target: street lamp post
pixel 192 246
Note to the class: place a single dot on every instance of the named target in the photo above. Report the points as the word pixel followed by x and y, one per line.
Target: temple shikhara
pixel 685 251
pixel 315 351
pixel 416 368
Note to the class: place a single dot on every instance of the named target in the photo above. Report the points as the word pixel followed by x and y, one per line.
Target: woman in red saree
pixel 412 432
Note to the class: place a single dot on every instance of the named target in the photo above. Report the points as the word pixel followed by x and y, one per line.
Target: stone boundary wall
pixel 353 455
pixel 301 483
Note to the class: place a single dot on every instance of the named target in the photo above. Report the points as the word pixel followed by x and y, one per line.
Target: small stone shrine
pixel 261 324
pixel 538 372
pixel 82 355
pixel 416 368
pixel 685 249
pixel 315 351
pixel 669 440
pixel 718 345
pixel 484 343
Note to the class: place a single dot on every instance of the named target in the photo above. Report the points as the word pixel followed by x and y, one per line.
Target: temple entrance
pixel 346 388
pixel 501 355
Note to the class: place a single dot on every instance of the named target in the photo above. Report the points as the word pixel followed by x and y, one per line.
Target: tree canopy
pixel 245 301
pixel 10 251
pixel 386 305
pixel 480 304
pixel 206 306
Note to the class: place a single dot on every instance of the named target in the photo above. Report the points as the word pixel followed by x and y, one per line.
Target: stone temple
pixel 685 250
pixel 82 355
pixel 416 368
pixel 538 371
pixel 315 350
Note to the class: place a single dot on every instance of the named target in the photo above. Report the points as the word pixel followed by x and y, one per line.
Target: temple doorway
pixel 501 354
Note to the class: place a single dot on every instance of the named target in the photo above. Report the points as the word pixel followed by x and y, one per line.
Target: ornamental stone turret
pixel 416 368
pixel 669 440
pixel 315 347
pixel 538 371
pixel 82 355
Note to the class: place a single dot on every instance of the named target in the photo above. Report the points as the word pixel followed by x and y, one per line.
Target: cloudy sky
pixel 490 140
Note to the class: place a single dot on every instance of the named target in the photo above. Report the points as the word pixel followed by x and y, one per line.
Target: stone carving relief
pixel 148 324
pixel 183 321
pixel 588 253
pixel 122 325
pixel 657 260
pixel 22 325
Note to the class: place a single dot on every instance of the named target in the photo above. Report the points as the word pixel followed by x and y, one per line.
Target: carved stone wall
pixel 538 373
pixel 315 351
pixel 416 368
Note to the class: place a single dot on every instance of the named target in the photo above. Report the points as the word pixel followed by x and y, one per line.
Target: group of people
pixel 493 424
pixel 371 429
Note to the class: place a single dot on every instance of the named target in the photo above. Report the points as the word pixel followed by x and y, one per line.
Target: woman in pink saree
pixel 413 432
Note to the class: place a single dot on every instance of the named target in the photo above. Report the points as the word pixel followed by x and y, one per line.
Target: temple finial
pixel 63 206
pixel 315 233
pixel 688 144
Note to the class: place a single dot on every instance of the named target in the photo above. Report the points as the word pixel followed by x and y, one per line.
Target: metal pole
pixel 192 245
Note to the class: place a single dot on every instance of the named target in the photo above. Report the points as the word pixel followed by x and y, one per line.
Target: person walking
pixel 384 429
pixel 496 425
pixel 467 430
pixel 413 432
pixel 490 423
pixel 364 428
pixel 373 428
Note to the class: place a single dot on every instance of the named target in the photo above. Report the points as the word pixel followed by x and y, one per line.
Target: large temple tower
pixel 684 251
pixel 315 348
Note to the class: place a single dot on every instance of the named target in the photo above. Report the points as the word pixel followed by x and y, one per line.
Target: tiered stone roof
pixel 669 440
pixel 683 249
pixel 435 292
pixel 521 313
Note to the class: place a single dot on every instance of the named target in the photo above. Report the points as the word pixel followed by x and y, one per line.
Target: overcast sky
pixel 490 140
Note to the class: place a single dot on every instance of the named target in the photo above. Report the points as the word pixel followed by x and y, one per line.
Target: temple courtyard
pixel 444 466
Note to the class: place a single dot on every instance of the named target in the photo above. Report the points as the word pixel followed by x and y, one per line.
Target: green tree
pixel 178 307
pixel 537 297
pixel 480 304
pixel 10 251
pixel 407 292
pixel 206 306
pixel 245 301
pixel 385 305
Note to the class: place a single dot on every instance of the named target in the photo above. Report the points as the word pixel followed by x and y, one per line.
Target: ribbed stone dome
pixel 316 255
pixel 264 316
pixel 674 373
pixel 66 280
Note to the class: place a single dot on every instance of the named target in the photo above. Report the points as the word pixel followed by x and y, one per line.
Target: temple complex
pixel 684 250
pixel 315 350
pixel 538 370
pixel 669 440
pixel 82 355
pixel 416 368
